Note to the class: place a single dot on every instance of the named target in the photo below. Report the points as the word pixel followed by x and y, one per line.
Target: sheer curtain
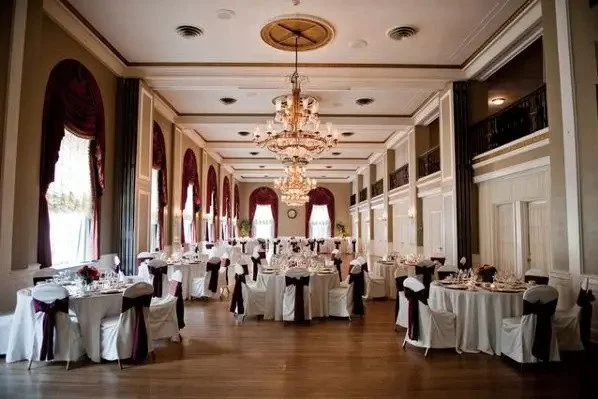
pixel 69 203
pixel 155 205
pixel 188 216
pixel 319 222
pixel 263 222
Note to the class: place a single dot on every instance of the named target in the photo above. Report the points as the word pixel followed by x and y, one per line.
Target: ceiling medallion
pixel 312 32
pixel 295 186
pixel 294 133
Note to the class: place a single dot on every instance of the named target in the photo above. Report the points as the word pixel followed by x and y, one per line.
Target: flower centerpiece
pixel 88 274
pixel 244 227
pixel 486 272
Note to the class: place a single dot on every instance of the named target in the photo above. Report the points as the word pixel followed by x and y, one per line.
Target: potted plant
pixel 341 229
pixel 244 227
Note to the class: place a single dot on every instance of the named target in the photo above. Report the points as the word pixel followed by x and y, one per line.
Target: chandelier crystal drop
pixel 294 133
pixel 295 186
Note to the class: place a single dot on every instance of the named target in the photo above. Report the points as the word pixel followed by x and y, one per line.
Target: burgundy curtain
pixel 226 211
pixel 72 100
pixel 159 163
pixel 190 176
pixel 237 201
pixel 212 190
pixel 264 196
pixel 320 196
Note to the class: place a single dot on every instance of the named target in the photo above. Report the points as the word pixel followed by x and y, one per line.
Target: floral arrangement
pixel 88 274
pixel 244 227
pixel 486 272
pixel 341 229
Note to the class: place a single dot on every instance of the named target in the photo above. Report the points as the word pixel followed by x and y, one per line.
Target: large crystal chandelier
pixel 295 132
pixel 295 186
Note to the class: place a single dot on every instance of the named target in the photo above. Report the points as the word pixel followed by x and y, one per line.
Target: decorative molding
pixel 525 167
pixel 431 177
pixel 164 108
pixel 429 185
pixel 377 202
pixel 428 111
pixel 398 194
pixel 537 139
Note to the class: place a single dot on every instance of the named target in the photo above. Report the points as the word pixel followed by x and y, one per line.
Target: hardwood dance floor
pixel 330 359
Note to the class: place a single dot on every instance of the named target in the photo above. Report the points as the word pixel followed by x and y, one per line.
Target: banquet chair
pixel 158 270
pixel 106 262
pixel 427 328
pixel 375 285
pixel 256 261
pixel 5 323
pixel 424 271
pixel 296 304
pixel 163 318
pixel 44 274
pixel 572 326
pixel 209 285
pixel 347 301
pixel 224 268
pixel 531 338
pixel 143 257
pixel 538 276
pixel 55 333
pixel 401 304
pixel 439 259
pixel 249 298
pixel 445 271
pixel 175 288
pixel 128 335
pixel 338 262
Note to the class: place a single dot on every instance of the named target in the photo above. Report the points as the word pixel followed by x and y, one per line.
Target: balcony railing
pixel 352 199
pixel 363 194
pixel 378 188
pixel 428 162
pixel 399 177
pixel 514 122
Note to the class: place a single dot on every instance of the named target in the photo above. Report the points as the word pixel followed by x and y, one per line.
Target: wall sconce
pixel 411 213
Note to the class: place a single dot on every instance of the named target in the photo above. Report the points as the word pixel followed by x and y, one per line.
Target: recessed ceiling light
pixel 364 101
pixel 357 44
pixel 189 31
pixel 265 175
pixel 254 153
pixel 243 133
pixel 347 134
pixel 225 14
pixel 336 154
pixel 262 166
pixel 401 32
pixel 498 101
pixel 228 100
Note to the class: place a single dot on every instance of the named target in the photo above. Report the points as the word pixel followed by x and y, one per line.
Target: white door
pixel 365 232
pixel 538 234
pixel 504 254
pixel 436 233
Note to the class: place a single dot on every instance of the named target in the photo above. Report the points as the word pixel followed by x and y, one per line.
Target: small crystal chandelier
pixel 295 187
pixel 294 133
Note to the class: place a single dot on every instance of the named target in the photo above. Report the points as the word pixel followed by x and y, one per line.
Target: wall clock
pixel 292 214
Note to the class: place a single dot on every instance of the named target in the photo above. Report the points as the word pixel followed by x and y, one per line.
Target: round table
pixel 479 315
pixel 89 310
pixel 319 285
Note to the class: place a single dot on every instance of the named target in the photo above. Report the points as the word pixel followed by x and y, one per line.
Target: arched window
pixel 190 197
pixel 267 215
pixel 73 131
pixel 159 187
pixel 211 203
pixel 324 197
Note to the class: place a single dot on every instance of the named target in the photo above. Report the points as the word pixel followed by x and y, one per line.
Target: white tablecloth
pixel 386 270
pixel 189 271
pixel 89 310
pixel 479 315
pixel 319 285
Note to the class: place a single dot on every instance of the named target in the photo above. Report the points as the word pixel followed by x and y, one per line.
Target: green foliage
pixel 66 202
pixel 341 229
pixel 244 227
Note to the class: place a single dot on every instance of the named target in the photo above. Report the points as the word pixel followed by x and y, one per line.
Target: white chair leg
pixel 30 361
pixel 32 350
pixel 119 363
pixel 404 342
pixel 426 353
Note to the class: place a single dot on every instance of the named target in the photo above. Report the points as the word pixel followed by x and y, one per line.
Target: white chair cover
pixel 340 300
pixel 253 295
pixel 200 286
pixel 163 318
pixel 5 323
pixel 288 304
pixel 402 315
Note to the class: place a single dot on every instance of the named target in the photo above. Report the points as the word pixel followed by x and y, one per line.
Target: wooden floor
pixel 329 359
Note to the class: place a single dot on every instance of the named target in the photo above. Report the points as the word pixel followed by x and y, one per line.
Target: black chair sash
pixel 399 284
pixel 255 261
pixel 243 244
pixel 364 267
pixel 543 333
pixel 439 259
pixel 312 244
pixel 140 339
pixel 236 304
pixel 487 274
pixel 245 269
pixel 37 280
pixel 353 241
pixel 176 290
pixel 229 242
pixel 116 268
pixel 299 283
pixel 262 254
pixel 295 247
pixel 414 298
pixel 209 245
pixel 338 263
pixel 584 300
pixel 427 273
pixel 540 280
pixel 276 246
pixel 234 242
pixel 49 323
pixel 158 272
pixel 213 267
pixel 358 281
pixel 337 245
pixel 143 259
pixel 318 244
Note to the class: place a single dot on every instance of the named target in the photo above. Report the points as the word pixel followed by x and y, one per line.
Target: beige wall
pixel 5 27
pixel 296 227
pixel 46 45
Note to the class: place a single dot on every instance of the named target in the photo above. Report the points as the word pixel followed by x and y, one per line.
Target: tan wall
pixel 5 27
pixel 296 227
pixel 46 45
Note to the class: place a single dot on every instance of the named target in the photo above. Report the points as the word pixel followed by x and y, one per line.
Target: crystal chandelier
pixel 294 133
pixel 294 187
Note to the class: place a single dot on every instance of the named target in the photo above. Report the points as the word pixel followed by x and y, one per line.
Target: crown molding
pixel 428 111
pixel 164 108
pixel 196 138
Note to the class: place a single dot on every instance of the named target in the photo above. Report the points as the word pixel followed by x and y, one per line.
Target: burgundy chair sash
pixel 319 243
pixel 540 280
pixel 312 244
pixel 213 267
pixel 141 260
pixel 487 274
pixel 338 263
pixel 399 281
pixel 353 241
pixel 337 244
pixel 439 259
pixel 543 333
pixel 237 300
pixel 37 280
pixel 158 272
pixel 255 263
pixel 140 340
pixel 262 254
pixel 245 269
pixel 49 323
pixel 584 300
pixel 299 283
pixel 413 313
pixel 426 273
pixel 175 289
pixel 243 244
pixel 358 281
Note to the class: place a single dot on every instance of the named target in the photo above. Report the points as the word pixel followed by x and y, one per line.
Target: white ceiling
pixel 143 32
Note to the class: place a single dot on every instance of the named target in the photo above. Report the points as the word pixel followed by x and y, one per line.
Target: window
pixel 69 203
pixel 210 221
pixel 319 222
pixel 263 222
pixel 188 216
pixel 155 205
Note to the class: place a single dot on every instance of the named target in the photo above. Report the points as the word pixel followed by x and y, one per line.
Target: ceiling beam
pixel 248 145
pixel 336 162
pixel 377 121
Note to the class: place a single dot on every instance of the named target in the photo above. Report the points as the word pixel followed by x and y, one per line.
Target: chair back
pixel 539 276
pixel 299 278
pixel 439 259
pixel 541 301
pixel 416 295
pixel 48 293
pixel 135 309
pixel 106 261
pixel 44 274
pixel 177 276
pixel 144 256
pixel 414 284
pixel 357 288
pixel 445 271
pixel 541 294
pixel 49 299
pixel 237 304
pixel 157 268
pixel 176 290
pixel 425 268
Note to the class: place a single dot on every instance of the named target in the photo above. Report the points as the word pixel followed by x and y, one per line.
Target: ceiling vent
pixel 401 32
pixel 243 133
pixel 228 100
pixel 364 101
pixel 189 31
